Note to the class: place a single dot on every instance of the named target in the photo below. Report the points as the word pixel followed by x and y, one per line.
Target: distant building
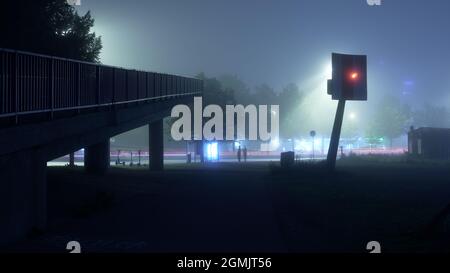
pixel 429 142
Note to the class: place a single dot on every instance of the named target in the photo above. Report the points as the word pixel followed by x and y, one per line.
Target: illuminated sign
pixel 212 151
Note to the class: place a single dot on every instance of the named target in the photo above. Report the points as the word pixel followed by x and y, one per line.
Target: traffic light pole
pixel 335 135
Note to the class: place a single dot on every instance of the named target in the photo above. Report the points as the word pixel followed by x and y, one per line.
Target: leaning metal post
pixel 335 135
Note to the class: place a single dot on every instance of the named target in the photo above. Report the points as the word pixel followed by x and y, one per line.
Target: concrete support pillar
pixel 23 195
pixel 96 157
pixel 72 160
pixel 156 145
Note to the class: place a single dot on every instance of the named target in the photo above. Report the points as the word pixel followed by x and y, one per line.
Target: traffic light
pixel 349 81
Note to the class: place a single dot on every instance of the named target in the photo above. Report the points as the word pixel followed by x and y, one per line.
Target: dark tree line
pixel 51 27
pixel 231 90
pixel 393 118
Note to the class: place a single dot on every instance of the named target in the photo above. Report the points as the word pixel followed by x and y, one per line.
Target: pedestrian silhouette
pixel 245 154
pixel 239 154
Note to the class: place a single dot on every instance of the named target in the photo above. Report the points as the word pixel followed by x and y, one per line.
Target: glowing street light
pixel 312 134
pixel 329 71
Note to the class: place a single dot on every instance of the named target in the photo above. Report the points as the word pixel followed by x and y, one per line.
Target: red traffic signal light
pixel 354 76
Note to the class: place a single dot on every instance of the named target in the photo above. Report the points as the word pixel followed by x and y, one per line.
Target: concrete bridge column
pixel 23 194
pixel 96 157
pixel 156 145
pixel 72 159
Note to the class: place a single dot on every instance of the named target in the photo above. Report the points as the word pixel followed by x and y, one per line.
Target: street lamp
pixel 312 134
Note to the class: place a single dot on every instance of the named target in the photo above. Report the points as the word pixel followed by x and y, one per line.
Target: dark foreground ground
pixel 252 207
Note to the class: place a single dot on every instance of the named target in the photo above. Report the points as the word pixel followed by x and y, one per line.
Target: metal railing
pixel 33 83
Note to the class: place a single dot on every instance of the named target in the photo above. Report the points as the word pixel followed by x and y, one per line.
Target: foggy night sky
pixel 278 42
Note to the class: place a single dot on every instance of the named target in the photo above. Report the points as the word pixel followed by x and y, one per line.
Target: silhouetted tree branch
pixel 51 27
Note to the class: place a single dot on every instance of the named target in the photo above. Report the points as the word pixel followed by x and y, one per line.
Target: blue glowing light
pixel 212 151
